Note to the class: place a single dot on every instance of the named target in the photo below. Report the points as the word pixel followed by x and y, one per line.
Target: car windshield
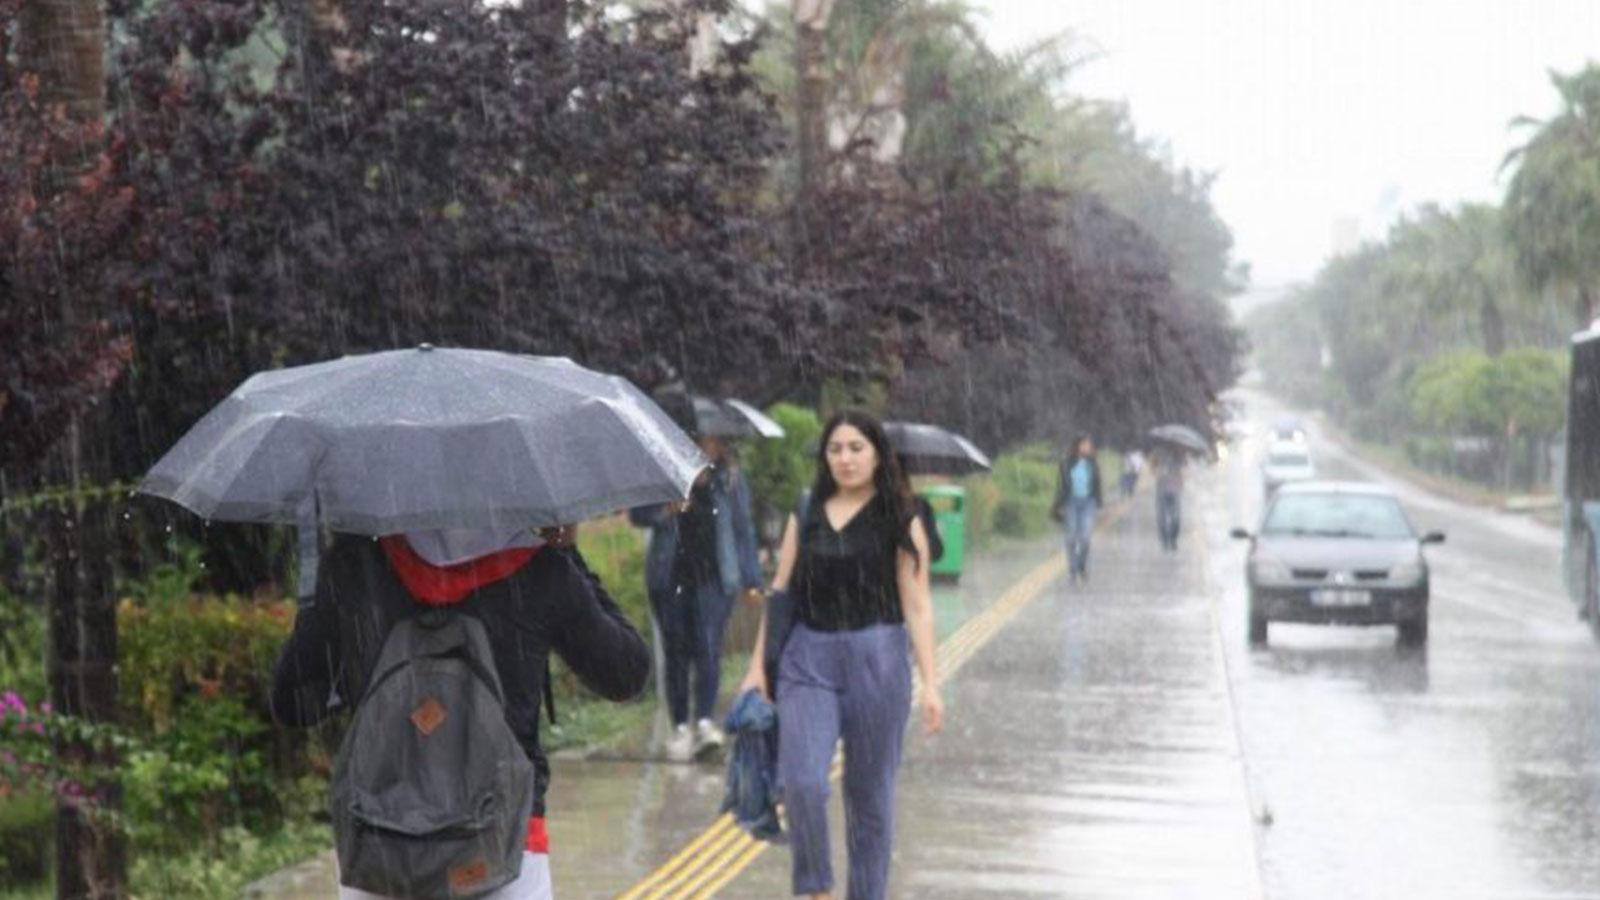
pixel 1337 515
pixel 1297 460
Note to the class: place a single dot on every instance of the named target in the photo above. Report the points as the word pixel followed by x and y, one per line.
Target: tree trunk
pixel 91 854
pixel 1586 310
pixel 63 43
pixel 1493 324
pixel 811 87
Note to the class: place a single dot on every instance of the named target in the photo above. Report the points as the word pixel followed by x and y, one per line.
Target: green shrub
pixel 22 646
pixel 983 500
pixel 27 824
pixel 173 647
pixel 614 549
pixel 209 770
pixel 778 470
pixel 1026 480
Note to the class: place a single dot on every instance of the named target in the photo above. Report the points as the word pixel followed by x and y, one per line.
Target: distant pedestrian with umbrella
pixel 701 557
pixel 1175 443
pixel 1078 500
pixel 446 475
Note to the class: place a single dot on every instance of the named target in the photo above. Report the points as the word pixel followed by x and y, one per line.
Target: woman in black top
pixel 858 569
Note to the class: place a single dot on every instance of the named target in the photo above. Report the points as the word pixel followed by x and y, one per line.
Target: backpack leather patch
pixel 428 716
pixel 468 876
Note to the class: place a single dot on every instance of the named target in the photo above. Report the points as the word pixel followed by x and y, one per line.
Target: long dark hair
pixel 893 489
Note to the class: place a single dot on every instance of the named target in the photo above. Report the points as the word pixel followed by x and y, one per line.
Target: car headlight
pixel 1406 573
pixel 1269 571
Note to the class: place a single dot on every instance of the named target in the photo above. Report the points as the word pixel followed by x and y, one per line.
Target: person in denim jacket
pixel 702 556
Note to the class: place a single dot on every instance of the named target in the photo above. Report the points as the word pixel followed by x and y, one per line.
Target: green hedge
pixel 27 824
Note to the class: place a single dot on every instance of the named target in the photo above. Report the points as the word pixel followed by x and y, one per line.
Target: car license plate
pixel 1341 598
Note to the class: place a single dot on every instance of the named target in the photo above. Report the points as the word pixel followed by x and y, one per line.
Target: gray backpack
pixel 431 792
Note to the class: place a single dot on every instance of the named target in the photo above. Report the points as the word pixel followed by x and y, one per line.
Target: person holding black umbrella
pixel 702 555
pixel 435 610
pixel 1169 463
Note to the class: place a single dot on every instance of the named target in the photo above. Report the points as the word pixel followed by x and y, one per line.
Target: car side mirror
pixel 1433 537
pixel 1239 534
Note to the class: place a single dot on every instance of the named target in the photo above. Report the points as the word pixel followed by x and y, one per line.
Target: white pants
pixel 532 884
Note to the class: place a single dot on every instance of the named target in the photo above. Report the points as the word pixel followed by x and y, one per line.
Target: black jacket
pixel 552 603
pixel 1064 484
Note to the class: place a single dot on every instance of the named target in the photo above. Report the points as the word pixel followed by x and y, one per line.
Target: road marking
pixel 720 853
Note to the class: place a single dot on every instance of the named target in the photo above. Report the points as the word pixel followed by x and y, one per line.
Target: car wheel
pixel 1258 625
pixel 1414 633
pixel 1591 588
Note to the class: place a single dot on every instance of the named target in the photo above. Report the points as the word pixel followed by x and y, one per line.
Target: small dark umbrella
pixel 409 440
pixel 733 419
pixel 1181 436
pixel 930 450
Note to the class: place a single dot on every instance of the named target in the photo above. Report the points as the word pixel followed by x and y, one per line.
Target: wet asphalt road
pixel 1470 769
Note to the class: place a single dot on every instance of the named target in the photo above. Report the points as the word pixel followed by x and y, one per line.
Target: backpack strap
pixel 549 692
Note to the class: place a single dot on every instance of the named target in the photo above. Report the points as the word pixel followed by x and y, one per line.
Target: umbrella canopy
pixel 1181 436
pixel 732 419
pixel 408 440
pixel 930 450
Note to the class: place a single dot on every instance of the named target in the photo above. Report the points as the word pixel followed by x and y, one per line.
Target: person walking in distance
pixel 1078 499
pixel 1132 468
pixel 1169 496
pixel 856 561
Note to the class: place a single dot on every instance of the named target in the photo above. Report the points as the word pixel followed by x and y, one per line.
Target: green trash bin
pixel 949 503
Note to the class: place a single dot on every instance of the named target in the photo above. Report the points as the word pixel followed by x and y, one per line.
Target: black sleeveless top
pixel 845 579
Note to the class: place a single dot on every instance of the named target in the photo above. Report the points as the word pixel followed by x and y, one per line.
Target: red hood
pixel 445 585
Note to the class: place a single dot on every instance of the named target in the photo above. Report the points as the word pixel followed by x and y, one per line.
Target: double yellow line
pixel 717 855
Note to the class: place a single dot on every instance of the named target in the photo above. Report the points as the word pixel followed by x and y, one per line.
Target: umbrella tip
pixel 425 347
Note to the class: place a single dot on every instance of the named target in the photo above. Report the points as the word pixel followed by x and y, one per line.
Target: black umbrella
pixel 931 450
pixel 1182 436
pixel 733 419
pixel 409 440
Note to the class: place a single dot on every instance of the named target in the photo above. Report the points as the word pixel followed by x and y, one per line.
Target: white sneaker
pixel 707 736
pixel 680 746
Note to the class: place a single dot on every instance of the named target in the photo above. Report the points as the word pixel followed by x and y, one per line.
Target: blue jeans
pixel 1080 527
pixel 854 685
pixel 692 622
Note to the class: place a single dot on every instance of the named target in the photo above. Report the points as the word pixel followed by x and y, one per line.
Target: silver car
pixel 1340 553
pixel 1284 463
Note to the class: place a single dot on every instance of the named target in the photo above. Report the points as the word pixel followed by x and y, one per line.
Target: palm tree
pixel 1552 205
pixel 1456 262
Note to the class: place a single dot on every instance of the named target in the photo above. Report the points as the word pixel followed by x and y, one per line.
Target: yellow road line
pixel 722 824
pixel 717 856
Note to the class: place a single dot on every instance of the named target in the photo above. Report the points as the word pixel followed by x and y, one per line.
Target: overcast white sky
pixel 1315 111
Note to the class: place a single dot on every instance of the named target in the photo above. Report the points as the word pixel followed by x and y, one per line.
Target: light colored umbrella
pixel 1181 436
pixel 426 438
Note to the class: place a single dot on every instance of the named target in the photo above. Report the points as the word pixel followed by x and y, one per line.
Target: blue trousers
pixel 692 624
pixel 1169 517
pixel 1080 527
pixel 854 685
